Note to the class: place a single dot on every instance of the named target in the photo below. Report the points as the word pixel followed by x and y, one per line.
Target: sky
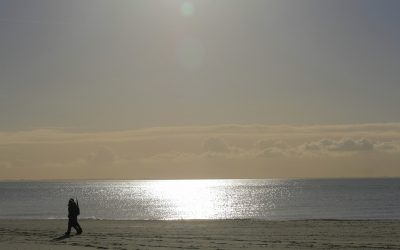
pixel 164 89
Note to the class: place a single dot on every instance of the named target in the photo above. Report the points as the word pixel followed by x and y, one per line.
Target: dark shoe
pixel 66 234
pixel 79 232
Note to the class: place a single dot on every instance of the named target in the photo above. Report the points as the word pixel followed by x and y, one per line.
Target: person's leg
pixel 76 225
pixel 78 228
pixel 69 227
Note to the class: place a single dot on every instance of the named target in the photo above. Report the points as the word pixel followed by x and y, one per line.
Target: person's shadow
pixel 62 237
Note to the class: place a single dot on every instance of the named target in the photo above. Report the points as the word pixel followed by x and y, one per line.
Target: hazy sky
pixel 98 65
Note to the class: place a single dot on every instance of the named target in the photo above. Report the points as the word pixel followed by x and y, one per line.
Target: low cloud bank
pixel 342 145
pixel 191 152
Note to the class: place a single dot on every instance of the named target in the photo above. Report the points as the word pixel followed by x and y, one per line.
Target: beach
pixel 202 234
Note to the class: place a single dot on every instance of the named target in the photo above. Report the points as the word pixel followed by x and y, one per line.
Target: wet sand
pixel 201 234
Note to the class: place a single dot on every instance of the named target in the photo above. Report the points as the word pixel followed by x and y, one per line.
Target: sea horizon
pixel 194 179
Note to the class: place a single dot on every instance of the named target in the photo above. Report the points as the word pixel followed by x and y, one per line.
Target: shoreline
pixel 201 234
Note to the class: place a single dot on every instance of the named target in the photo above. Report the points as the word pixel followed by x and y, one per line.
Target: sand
pixel 201 234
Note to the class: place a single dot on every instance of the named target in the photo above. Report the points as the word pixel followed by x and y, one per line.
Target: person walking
pixel 73 212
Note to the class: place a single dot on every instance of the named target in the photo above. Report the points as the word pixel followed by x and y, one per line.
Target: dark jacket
pixel 73 210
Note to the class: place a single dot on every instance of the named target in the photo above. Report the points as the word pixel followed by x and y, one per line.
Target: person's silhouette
pixel 73 212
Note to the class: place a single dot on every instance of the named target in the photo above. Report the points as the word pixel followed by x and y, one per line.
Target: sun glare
pixel 190 199
pixel 187 9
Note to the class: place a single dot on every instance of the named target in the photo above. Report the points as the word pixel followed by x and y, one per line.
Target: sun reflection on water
pixel 196 199
pixel 191 199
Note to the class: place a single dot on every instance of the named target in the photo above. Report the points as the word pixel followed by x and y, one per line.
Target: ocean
pixel 266 199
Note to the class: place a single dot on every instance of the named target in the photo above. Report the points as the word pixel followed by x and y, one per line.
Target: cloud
pixel 102 156
pixel 271 148
pixel 215 145
pixel 171 157
pixel 45 152
pixel 388 146
pixel 343 145
pixel 272 152
pixel 271 143
pixel 387 131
